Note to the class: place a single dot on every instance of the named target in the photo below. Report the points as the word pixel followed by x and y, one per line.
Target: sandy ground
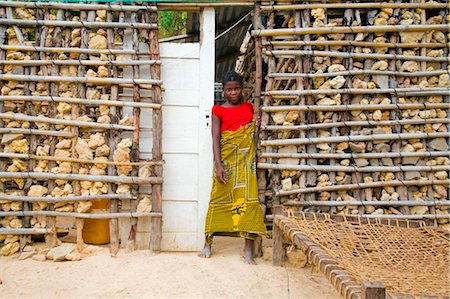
pixel 167 275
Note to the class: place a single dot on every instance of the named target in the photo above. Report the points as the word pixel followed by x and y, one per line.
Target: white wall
pixel 206 86
pixel 188 77
pixel 181 117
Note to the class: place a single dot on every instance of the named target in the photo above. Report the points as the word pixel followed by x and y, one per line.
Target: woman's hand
pixel 221 174
pixel 257 121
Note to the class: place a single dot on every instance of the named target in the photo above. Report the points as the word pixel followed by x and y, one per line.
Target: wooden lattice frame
pixel 290 55
pixel 45 32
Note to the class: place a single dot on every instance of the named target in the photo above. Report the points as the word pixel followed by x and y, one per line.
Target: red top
pixel 233 117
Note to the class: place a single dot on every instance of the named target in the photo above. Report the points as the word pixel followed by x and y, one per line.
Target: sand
pixel 140 274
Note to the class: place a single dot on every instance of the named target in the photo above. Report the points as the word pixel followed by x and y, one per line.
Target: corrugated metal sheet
pixel 227 46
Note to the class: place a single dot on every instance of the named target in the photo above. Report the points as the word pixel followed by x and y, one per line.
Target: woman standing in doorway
pixel 234 208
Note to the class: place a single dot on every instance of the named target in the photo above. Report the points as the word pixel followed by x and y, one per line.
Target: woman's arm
pixel 220 171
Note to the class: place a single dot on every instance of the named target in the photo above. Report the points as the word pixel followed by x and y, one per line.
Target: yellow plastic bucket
pixel 96 231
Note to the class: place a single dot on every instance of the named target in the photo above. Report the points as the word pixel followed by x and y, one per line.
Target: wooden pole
pixel 352 168
pixel 445 66
pixel 23 231
pixel 78 62
pixel 394 114
pixel 395 122
pixel 76 160
pixel 74 24
pixel 400 203
pixel 87 80
pixel 277 241
pixel 364 185
pixel 422 66
pixel 54 121
pixel 257 88
pixel 34 132
pixel 258 72
pixel 310 117
pixel 29 88
pixel 2 106
pixel 79 6
pixel 398 91
pixel 373 290
pixel 155 71
pixel 111 136
pixel 299 43
pixel 350 29
pixel 293 53
pixel 64 198
pixel 284 76
pixel 355 155
pixel 79 215
pixel 76 110
pixel 350 138
pixel 267 100
pixel 337 275
pixel 80 101
pixel 302 65
pixel 53 90
pixel 68 49
pixel 340 5
pixel 130 243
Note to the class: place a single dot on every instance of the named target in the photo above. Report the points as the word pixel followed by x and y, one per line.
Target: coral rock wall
pixel 356 108
pixel 68 108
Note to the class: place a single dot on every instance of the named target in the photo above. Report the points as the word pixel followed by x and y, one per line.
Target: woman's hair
pixel 232 76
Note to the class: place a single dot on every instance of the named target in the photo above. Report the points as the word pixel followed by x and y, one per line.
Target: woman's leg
pixel 248 251
pixel 207 251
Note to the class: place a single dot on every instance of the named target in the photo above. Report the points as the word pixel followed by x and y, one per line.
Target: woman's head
pixel 232 87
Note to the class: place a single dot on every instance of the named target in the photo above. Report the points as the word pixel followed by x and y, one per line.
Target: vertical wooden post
pixel 125 204
pixel 51 238
pixel 369 192
pixel 423 67
pixel 131 234
pixel 345 100
pixel 300 63
pixel 262 182
pixel 2 107
pixel 397 129
pixel 155 71
pixel 373 290
pixel 29 89
pixel 111 136
pixel 258 72
pixel 75 112
pixel 257 111
pixel 310 116
pixel 277 239
pixel 359 194
pixel 444 66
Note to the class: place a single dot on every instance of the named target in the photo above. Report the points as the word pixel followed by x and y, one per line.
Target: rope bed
pixel 408 257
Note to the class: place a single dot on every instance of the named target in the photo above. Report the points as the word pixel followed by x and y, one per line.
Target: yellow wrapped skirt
pixel 234 208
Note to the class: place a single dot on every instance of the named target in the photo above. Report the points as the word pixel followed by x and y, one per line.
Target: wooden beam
pixel 337 275
pixel 228 56
pixel 155 70
pixel 277 242
pixel 373 290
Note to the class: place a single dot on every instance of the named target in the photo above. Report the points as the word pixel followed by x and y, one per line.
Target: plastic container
pixel 96 231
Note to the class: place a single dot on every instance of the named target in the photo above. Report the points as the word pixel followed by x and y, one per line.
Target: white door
pixel 188 77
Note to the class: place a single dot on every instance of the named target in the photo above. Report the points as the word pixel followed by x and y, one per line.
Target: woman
pixel 234 208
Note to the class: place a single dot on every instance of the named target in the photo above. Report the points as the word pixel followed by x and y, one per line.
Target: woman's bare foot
pixel 206 252
pixel 248 252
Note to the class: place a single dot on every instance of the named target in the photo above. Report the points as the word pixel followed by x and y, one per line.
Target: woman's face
pixel 232 90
